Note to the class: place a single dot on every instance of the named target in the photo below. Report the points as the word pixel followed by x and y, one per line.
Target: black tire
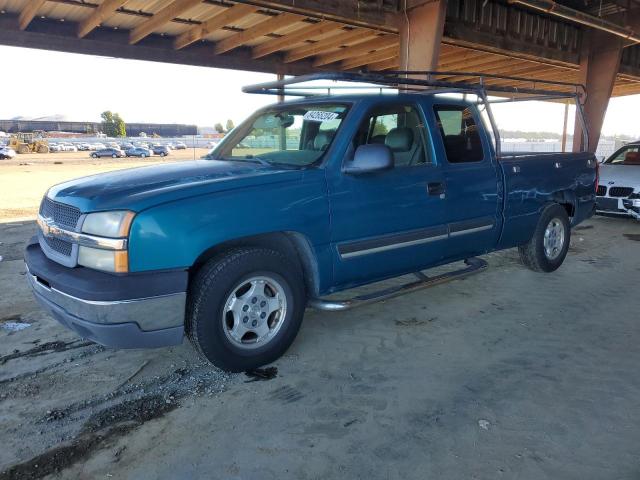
pixel 114 156
pixel 162 154
pixel 533 253
pixel 142 155
pixel 94 155
pixel 215 282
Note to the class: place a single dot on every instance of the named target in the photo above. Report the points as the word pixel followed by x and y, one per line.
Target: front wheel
pixel 94 155
pixel 245 308
pixel 549 244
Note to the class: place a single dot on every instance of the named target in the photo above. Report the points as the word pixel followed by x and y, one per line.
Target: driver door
pixel 390 222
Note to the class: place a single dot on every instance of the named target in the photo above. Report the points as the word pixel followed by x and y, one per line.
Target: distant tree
pixel 113 125
pixel 219 128
pixel 120 129
pixel 230 125
pixel 107 123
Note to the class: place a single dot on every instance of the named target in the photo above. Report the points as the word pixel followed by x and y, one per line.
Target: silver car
pixel 619 184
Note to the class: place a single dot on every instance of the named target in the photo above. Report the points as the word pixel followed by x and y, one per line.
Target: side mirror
pixel 370 158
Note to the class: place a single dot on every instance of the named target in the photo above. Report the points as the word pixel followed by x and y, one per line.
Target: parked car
pixel 98 146
pixel 108 152
pixel 126 146
pixel 161 150
pixel 83 147
pixel 7 153
pixel 619 185
pixel 256 234
pixel 67 147
pixel 138 152
pixel 180 146
pixel 54 147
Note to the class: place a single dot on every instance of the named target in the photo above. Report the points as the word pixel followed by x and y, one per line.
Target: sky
pixel 80 87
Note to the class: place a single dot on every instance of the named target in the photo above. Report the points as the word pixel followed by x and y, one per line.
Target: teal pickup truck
pixel 304 199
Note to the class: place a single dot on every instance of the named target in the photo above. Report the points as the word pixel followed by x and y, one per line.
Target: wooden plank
pixel 327 44
pixel 271 25
pixel 392 52
pixel 305 31
pixel 219 20
pixel 28 12
pixel 390 64
pixel 104 11
pixel 360 48
pixel 349 12
pixel 165 15
pixel 107 42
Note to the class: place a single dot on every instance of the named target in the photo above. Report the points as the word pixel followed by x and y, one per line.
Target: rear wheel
pixel 94 155
pixel 245 308
pixel 549 244
pixel 114 156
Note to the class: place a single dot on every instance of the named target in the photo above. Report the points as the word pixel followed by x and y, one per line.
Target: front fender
pixel 173 235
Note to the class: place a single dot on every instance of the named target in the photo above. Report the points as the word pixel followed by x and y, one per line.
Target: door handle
pixel 436 189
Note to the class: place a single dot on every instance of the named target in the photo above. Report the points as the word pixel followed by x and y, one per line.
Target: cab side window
pixel 459 133
pixel 400 127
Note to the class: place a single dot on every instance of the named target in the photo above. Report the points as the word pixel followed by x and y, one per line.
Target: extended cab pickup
pixel 304 199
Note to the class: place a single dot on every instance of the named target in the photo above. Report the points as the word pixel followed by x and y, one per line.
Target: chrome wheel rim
pixel 554 237
pixel 254 312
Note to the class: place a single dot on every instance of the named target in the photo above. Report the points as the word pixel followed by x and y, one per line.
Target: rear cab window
pixel 459 133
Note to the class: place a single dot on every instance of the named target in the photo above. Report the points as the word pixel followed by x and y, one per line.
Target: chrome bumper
pixel 136 323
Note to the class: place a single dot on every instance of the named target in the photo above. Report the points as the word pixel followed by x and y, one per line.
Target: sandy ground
pixel 25 179
pixel 507 374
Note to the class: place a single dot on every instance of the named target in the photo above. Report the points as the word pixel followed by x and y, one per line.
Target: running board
pixel 474 265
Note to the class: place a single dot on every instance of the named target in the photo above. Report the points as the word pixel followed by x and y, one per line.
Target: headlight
pixel 108 224
pixel 114 224
pixel 116 261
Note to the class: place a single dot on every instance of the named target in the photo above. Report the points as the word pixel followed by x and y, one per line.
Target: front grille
pixel 62 215
pixel 602 191
pixel 620 191
pixel 61 246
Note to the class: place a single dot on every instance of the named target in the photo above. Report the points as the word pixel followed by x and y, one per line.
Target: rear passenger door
pixel 388 222
pixel 473 186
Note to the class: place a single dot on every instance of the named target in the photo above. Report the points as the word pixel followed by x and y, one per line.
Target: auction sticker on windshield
pixel 319 116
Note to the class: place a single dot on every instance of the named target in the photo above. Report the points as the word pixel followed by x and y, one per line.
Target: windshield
pixel 295 136
pixel 628 155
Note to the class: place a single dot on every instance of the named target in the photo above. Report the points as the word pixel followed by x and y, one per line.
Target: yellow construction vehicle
pixel 29 142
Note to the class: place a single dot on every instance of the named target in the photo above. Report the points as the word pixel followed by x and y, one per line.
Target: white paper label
pixel 319 116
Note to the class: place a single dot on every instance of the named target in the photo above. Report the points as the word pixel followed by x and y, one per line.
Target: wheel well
pixel 292 244
pixel 566 199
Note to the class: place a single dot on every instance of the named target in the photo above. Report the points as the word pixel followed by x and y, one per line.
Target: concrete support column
pixel 599 64
pixel 421 27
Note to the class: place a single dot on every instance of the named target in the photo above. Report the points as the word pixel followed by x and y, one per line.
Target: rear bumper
pixel 128 311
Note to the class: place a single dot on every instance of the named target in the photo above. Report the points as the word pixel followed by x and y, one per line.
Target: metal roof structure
pixel 532 39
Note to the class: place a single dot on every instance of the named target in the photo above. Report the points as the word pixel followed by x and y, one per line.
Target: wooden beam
pixel 346 37
pixel 28 12
pixel 361 48
pixel 105 10
pixel 219 20
pixel 392 52
pixel 305 31
pixel 270 25
pixel 165 15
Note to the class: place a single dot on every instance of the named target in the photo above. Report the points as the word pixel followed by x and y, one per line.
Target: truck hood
pixel 620 175
pixel 140 188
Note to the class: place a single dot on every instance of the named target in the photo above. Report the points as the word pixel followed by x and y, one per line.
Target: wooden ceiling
pixel 286 37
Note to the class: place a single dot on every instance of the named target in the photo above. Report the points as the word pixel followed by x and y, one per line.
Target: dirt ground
pixel 25 178
pixel 506 374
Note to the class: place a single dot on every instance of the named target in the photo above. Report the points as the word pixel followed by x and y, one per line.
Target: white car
pixel 7 153
pixel 619 184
